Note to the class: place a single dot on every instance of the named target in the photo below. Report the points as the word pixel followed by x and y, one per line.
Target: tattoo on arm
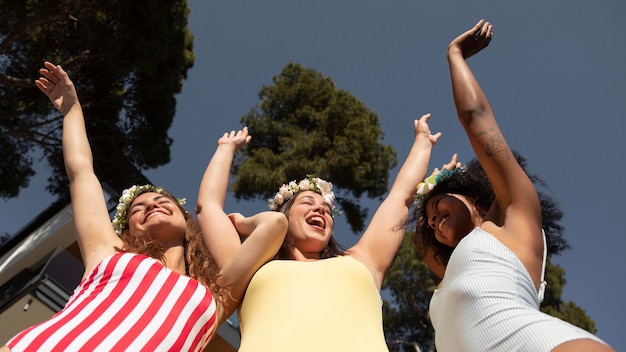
pixel 400 226
pixel 494 143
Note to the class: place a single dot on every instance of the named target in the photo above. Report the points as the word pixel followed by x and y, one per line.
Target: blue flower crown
pixel 424 187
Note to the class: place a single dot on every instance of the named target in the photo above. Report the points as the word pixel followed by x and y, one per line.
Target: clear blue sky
pixel 555 74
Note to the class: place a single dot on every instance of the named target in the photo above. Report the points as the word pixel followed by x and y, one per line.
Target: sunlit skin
pixel 158 217
pixel 514 218
pixel 452 217
pixel 153 215
pixel 310 225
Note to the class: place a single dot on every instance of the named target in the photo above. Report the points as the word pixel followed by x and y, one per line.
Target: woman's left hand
pixel 421 127
pixel 473 40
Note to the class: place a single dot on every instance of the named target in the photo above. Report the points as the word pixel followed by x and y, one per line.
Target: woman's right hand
pixel 243 227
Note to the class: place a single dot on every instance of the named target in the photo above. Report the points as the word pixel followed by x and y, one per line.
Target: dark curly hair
pixel 333 248
pixel 198 262
pixel 472 182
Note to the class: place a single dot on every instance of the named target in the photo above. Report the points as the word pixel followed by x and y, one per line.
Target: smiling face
pixel 158 217
pixel 452 217
pixel 310 223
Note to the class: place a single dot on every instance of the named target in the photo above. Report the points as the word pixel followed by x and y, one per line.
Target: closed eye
pixel 434 208
pixel 431 223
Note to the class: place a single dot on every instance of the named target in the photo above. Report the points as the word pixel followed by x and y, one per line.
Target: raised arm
pixel 514 192
pixel 515 216
pixel 382 238
pixel 94 232
pixel 264 232
pixel 218 231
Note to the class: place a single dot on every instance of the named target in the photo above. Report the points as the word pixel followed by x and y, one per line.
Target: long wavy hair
pixel 333 249
pixel 199 264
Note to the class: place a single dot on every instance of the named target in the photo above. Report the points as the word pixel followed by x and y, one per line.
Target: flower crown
pixel 120 220
pixel 310 183
pixel 424 187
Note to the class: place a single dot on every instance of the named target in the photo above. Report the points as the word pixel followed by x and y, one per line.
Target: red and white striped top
pixel 129 302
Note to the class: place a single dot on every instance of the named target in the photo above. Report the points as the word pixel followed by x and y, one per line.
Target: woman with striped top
pixel 489 252
pixel 149 283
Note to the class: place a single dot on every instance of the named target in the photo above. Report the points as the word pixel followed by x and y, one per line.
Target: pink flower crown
pixel 310 183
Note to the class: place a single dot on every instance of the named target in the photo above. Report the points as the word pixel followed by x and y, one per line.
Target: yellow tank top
pixel 325 305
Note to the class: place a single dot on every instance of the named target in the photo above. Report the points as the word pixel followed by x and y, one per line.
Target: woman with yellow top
pixel 313 296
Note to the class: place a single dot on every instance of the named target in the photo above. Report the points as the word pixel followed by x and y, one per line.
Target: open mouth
pixel 316 221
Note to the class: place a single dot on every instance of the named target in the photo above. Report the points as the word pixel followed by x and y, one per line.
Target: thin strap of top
pixel 542 285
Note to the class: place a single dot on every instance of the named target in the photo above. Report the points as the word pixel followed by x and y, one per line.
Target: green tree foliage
pixel 410 284
pixel 555 306
pixel 128 60
pixel 305 125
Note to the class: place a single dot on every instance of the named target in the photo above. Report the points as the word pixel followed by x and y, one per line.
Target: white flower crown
pixel 289 190
pixel 120 220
